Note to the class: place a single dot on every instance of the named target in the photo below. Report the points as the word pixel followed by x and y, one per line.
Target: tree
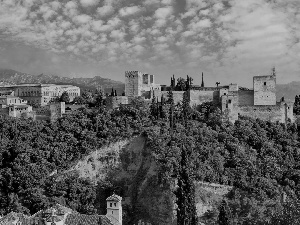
pixel 65 97
pixel 185 193
pixel 225 214
pixel 79 100
pixel 99 98
pixel 296 108
pixel 170 102
pixel 153 108
pixel 181 84
pixel 186 108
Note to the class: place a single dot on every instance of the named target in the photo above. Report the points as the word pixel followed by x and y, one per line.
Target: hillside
pixel 289 91
pixel 8 76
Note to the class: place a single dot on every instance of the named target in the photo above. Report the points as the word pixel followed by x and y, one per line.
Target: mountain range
pixel 9 77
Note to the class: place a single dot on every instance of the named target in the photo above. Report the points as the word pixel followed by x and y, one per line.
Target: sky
pixel 229 41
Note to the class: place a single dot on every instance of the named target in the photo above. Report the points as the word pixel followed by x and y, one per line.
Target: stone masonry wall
pixel 177 95
pixel 246 98
pixel 269 113
pixel 198 97
pixel 114 101
pixel 264 90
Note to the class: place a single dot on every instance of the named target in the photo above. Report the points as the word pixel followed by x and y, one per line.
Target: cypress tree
pixel 153 111
pixel 225 214
pixel 186 108
pixel 185 193
pixel 170 102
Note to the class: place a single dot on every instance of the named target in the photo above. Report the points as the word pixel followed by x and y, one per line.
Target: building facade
pixel 15 107
pixel 41 94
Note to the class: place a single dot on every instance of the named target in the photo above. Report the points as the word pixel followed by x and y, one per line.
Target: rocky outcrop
pixel 131 163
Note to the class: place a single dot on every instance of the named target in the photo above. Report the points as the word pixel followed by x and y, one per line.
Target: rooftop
pixel 114 197
pixel 56 211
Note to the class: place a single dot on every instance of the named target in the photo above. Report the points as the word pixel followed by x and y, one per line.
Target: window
pixel 265 83
pixel 115 204
pixel 229 101
pixel 110 204
pixel 112 212
pixel 224 93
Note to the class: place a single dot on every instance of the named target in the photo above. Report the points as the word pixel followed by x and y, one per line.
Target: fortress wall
pixel 198 97
pixel 289 111
pixel 246 98
pixel 229 106
pixel 269 113
pixel 177 95
pixel 114 101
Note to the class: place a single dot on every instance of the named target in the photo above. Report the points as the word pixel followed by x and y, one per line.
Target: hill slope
pixel 8 76
pixel 289 91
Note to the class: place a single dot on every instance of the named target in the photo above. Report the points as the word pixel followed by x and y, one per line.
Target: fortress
pixel 259 102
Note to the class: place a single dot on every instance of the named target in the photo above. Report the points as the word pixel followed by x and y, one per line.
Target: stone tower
pixel 114 209
pixel 133 80
pixel 265 89
pixel 138 83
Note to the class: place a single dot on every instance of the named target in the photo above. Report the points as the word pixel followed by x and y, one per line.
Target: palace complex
pixel 259 102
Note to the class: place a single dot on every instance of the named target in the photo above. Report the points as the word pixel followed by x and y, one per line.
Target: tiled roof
pixel 73 218
pixel 114 197
pixel 80 219
pixel 13 217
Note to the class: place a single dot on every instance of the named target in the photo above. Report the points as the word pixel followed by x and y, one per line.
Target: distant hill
pixel 289 91
pixel 9 77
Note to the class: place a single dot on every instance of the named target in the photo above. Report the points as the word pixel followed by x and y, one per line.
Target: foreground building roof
pixel 57 214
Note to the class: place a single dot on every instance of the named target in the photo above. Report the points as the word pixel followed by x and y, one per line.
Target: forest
pixel 260 159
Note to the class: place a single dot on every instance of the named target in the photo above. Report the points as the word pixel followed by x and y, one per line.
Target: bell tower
pixel 114 209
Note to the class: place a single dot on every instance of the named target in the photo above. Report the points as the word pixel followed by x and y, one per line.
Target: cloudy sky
pixel 230 40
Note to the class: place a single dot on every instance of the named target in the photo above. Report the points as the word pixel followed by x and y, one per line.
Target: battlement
pixel 131 74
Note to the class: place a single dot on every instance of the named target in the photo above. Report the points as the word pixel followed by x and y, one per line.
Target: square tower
pixel 133 83
pixel 264 90
pixel 114 209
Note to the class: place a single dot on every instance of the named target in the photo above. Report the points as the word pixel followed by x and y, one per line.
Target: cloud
pixel 162 15
pixel 88 3
pixel 81 19
pixel 105 10
pixel 161 33
pixel 127 11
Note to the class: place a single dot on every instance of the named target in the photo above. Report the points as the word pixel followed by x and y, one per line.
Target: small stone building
pixel 60 215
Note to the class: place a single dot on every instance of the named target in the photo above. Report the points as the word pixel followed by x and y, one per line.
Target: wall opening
pixel 265 83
